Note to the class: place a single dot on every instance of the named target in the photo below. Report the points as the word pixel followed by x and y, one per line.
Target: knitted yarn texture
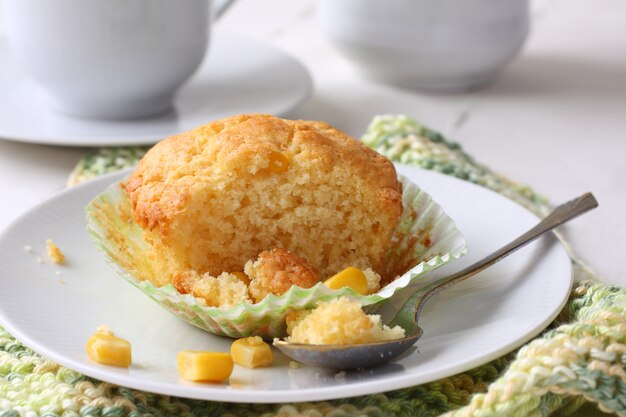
pixel 579 361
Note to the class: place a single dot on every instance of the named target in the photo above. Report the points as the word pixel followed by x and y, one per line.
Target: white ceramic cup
pixel 441 45
pixel 109 59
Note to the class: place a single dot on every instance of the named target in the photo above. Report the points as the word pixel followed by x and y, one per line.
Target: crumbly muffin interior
pixel 277 270
pixel 225 290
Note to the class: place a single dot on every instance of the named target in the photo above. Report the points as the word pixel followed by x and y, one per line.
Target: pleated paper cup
pixel 425 239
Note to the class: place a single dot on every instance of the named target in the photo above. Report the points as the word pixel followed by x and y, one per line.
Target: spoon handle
pixel 557 217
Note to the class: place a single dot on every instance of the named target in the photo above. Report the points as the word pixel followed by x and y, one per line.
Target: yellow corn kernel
pixel 201 366
pixel 279 161
pixel 54 253
pixel 105 348
pixel 251 352
pixel 350 277
pixel 242 277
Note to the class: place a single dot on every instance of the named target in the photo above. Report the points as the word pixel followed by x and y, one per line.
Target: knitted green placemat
pixel 580 361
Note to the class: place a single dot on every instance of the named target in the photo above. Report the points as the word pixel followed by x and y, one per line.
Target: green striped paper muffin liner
pixel 425 239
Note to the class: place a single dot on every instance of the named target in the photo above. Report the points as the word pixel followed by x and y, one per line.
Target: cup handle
pixel 219 7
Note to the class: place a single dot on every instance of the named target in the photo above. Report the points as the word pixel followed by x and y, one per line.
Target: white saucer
pixel 238 76
pixel 465 326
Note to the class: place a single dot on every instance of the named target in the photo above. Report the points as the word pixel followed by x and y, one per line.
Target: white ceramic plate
pixel 55 312
pixel 238 76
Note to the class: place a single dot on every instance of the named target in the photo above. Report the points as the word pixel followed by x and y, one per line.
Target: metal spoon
pixel 374 354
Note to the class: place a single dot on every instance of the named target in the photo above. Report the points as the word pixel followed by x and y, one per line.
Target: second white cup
pixel 441 46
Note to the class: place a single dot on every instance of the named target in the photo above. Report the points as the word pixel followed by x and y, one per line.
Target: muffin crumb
pixel 54 253
pixel 104 328
pixel 340 375
pixel 293 318
pixel 373 280
pixel 276 271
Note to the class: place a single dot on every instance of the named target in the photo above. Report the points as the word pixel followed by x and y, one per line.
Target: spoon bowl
pixel 348 357
pixel 365 355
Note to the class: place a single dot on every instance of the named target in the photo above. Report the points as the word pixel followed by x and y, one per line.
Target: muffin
pixel 211 199
pixel 234 225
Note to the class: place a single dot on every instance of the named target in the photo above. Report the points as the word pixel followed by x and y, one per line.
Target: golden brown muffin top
pixel 242 145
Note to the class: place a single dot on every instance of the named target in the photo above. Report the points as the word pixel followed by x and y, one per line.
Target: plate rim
pixel 200 391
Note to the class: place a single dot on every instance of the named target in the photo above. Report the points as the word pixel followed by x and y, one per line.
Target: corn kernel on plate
pixel 55 308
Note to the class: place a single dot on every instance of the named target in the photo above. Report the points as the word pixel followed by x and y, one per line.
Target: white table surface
pixel 555 119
